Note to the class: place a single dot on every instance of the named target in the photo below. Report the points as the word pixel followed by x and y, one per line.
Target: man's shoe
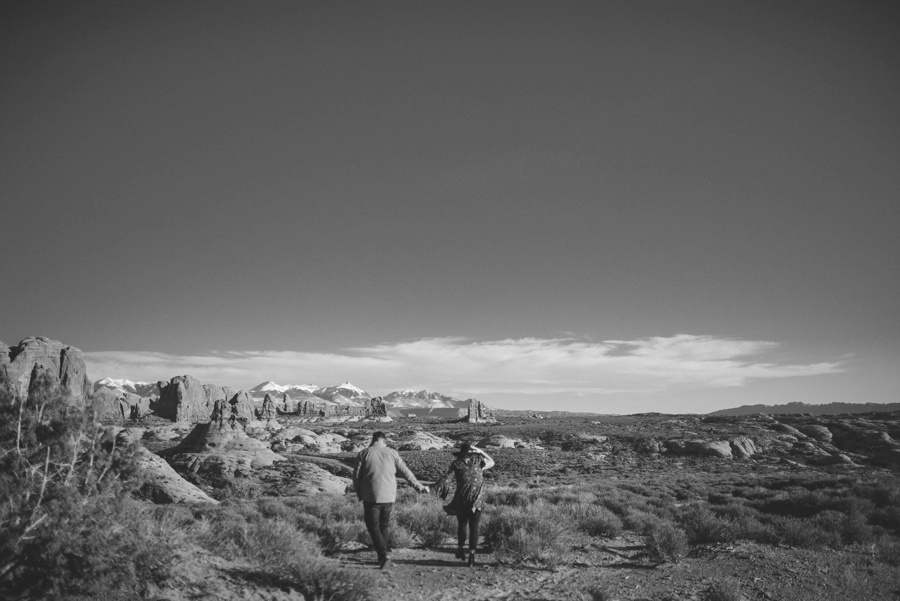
pixel 460 554
pixel 471 559
pixel 385 564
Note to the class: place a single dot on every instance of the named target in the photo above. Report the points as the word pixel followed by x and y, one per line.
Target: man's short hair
pixel 378 436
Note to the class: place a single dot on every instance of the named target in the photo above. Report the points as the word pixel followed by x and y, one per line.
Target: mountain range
pixel 798 408
pixel 406 401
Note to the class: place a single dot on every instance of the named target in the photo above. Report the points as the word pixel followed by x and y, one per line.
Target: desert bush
pixel 887 550
pixel 261 540
pixel 887 517
pixel 726 589
pixel 848 528
pixel 425 518
pixel 665 542
pixel 401 538
pixel 64 487
pixel 598 592
pixel 804 533
pixel 315 578
pixel 744 523
pixel 531 533
pixel 703 526
pixel 594 520
pixel 508 496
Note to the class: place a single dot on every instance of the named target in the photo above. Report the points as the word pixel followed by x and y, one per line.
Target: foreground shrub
pixel 703 526
pixel 424 517
pixel 66 523
pixel 317 579
pixel 724 590
pixel 887 550
pixel 665 542
pixel 593 520
pixel 531 533
pixel 804 533
pixel 230 534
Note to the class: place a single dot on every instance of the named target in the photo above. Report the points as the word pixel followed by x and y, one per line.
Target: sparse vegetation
pixel 63 475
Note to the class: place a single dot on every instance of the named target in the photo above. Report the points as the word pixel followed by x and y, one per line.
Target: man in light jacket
pixel 375 482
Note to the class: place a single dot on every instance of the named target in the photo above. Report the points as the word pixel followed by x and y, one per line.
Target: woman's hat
pixel 464 449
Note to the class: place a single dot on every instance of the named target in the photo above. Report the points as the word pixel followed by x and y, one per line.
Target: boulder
pixel 743 447
pixel 786 429
pixel 498 441
pixel 63 365
pixel 834 459
pixel 164 485
pixel 820 433
pixel 313 480
pixel 423 441
pixel 700 448
pixel 648 446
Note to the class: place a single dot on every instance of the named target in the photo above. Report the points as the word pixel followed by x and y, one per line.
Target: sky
pixel 614 207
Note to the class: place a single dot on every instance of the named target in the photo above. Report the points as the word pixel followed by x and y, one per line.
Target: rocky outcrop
pixel 743 447
pixel 61 365
pixel 423 441
pixel 299 440
pixel 376 407
pixel 816 432
pixel 220 450
pixel 479 413
pixel 111 406
pixel 700 448
pixel 184 399
pixel 164 485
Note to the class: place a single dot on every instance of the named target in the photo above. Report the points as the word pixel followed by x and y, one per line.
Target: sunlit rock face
pixel 57 364
pixel 184 399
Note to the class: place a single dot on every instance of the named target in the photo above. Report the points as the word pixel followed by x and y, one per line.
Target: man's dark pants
pixel 378 519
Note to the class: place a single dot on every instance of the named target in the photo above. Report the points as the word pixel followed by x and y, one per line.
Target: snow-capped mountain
pixel 425 399
pixel 122 385
pixel 293 390
pixel 343 394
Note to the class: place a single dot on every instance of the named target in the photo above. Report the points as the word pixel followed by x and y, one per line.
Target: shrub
pixel 803 533
pixel 64 486
pixel 703 526
pixel 598 592
pixel 665 542
pixel 316 578
pixel 887 550
pixel 532 533
pixel 426 519
pixel 724 590
pixel 594 520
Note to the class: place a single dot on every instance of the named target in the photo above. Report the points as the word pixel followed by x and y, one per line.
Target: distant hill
pixel 796 408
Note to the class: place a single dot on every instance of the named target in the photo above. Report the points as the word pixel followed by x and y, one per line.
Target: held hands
pixel 421 487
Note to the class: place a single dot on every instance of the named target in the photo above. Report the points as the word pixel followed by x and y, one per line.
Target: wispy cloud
pixel 459 366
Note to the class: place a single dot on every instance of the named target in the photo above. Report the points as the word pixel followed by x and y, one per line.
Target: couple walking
pixel 375 482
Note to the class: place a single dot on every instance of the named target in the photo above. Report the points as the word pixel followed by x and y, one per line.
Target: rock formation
pixel 164 485
pixel 185 399
pixel 268 408
pixel 376 407
pixel 220 450
pixel 479 413
pixel 22 365
pixel 111 406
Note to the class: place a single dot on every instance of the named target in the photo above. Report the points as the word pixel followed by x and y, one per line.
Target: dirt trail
pixel 761 573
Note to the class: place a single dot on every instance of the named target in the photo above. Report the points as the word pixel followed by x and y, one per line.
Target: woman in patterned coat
pixel 468 500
